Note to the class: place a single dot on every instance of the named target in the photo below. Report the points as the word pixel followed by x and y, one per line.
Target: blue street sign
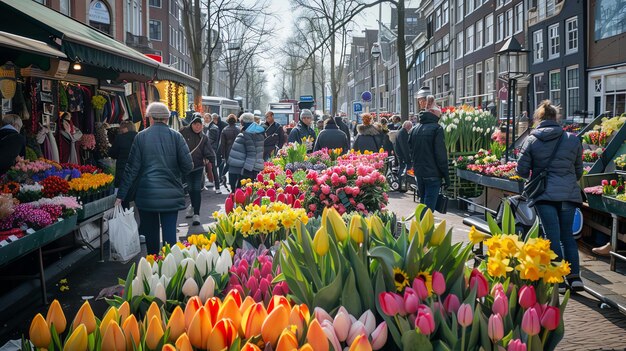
pixel 306 98
pixel 329 102
pixel 366 96
pixel 357 107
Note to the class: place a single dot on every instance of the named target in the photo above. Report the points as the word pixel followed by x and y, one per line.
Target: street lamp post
pixel 375 55
pixel 514 57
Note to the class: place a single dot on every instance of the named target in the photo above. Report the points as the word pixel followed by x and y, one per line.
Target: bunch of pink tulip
pixel 344 331
pixel 252 274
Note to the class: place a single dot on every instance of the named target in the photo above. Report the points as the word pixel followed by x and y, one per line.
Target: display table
pixel 93 208
pixel 617 209
pixel 35 242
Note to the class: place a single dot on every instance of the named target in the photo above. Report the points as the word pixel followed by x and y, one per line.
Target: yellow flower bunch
pixel 89 182
pixel 264 219
pixel 202 241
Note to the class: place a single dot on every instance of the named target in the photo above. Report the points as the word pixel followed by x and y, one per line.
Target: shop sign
pixel 99 12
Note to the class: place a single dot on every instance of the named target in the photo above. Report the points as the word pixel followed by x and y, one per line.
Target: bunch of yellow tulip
pixel 232 324
pixel 90 183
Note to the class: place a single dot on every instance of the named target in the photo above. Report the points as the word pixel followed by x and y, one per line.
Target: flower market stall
pixel 284 270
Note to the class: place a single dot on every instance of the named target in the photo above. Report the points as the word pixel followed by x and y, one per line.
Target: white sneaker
pixel 196 220
pixel 208 184
pixel 189 212
pixel 218 191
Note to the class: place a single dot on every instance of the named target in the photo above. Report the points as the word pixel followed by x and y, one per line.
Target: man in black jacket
pixel 403 152
pixel 303 130
pixel 12 143
pixel 429 155
pixel 332 138
pixel 343 126
pixel 274 136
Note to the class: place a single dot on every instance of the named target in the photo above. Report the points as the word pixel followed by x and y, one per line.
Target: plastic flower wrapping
pixel 88 142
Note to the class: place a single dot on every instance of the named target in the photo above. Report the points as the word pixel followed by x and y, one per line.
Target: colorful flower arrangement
pixel 620 161
pixel 26 216
pixel 89 184
pixel 82 168
pixel 485 163
pixel 23 170
pixel 466 128
pixel 6 205
pixel 54 186
pixel 88 142
pixel 12 188
pixel 592 155
pixel 572 128
pixel 596 137
pixel 594 190
pixel 97 102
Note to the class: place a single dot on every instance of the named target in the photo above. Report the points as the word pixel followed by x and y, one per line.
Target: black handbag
pixel 537 184
pixel 442 203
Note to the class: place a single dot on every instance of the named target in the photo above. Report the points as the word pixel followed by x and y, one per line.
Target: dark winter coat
pixel 12 144
pixel 227 139
pixel 332 138
pixel 274 138
pixel 213 133
pixel 428 150
pixel 369 138
pixel 301 131
pixel 158 159
pixel 247 151
pixel 120 151
pixel 402 149
pixel 343 126
pixel 565 169
pixel 199 146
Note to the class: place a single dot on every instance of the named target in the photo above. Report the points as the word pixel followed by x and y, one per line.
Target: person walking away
pixel 396 123
pixel 369 138
pixel 158 158
pixel 217 120
pixel 214 139
pixel 428 154
pixel 201 151
pixel 12 143
pixel 557 203
pixel 274 136
pixel 403 153
pixel 343 127
pixel 226 143
pixel 246 156
pixel 304 130
pixel 120 151
pixel 332 138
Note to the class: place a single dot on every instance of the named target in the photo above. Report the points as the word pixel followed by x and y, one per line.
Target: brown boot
pixel 603 250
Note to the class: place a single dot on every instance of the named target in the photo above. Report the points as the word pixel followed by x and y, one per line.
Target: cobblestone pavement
pixel 587 325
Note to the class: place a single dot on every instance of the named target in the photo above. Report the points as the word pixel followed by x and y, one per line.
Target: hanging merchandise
pixel 97 103
pixel 174 95
pixel 7 81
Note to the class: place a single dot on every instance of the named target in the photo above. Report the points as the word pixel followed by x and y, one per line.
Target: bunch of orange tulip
pixel 233 324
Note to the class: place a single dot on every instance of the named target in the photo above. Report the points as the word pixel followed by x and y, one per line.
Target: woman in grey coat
pixel 158 159
pixel 246 156
pixel 557 204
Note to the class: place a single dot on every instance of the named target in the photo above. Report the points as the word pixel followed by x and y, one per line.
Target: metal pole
pixel 508 121
pixel 514 97
pixel 377 92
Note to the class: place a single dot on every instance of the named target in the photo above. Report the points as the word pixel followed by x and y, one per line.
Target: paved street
pixel 588 326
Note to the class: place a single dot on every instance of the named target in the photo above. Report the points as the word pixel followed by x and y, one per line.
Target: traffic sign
pixel 366 96
pixel 357 107
pixel 306 98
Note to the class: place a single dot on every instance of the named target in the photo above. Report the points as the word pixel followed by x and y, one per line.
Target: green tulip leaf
pixel 475 333
pixel 494 229
pixel 350 297
pixel 363 281
pixel 328 296
pixel 441 346
pixel 413 341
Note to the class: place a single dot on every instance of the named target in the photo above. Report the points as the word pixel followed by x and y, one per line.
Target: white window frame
pixel 438 18
pixel 571 35
pixel 172 37
pixel 572 90
pixel 460 10
pixel 489 30
pixel 509 23
pixel 446 12
pixel 469 82
pixel 477 70
pixel 154 6
pixel 519 17
pixel 538 99
pixel 446 48
pixel 469 38
pixel 555 90
pixel 500 28
pixel 460 46
pixel 65 7
pixel 160 30
pixel 489 75
pixel 554 42
pixel 469 7
pixel 538 46
pixel 479 33
pixel 460 81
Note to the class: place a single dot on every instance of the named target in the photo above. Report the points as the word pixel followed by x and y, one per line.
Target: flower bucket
pixel 31 242
pixel 469 175
pixel 503 184
pixel 614 206
pixel 595 202
pixel 98 206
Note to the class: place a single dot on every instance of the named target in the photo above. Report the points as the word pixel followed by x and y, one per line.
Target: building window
pixel 446 48
pixel 469 83
pixel 64 7
pixel 459 44
pixel 489 71
pixel 155 3
pixel 470 7
pixel 519 17
pixel 500 30
pixel 446 12
pixel 538 46
pixel 489 30
pixel 509 23
pixel 172 39
pixel 554 40
pixel 555 87
pixel 438 85
pixel 174 8
pixel 446 83
pixel 545 8
pixel 437 57
pixel 173 60
pixel 438 18
pixel 573 93
pixel 156 30
pixel 610 18
pixel 571 26
pixel 460 13
pixel 469 32
pixel 459 84
pixel 100 16
pixel 539 88
pixel 479 81
pixel 479 34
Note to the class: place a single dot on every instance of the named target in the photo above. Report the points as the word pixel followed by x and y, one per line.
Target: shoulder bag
pixel 537 184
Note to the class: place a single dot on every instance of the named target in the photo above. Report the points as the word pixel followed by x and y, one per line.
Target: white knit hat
pixel 423 92
pixel 158 110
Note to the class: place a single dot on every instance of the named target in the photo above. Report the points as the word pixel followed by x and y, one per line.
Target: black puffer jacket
pixel 247 151
pixel 332 138
pixel 158 158
pixel 427 147
pixel 565 169
pixel 402 146
pixel 227 139
pixel 199 146
pixel 274 138
pixel 120 151
pixel 301 131
pixel 214 136
pixel 369 138
pixel 344 127
pixel 12 144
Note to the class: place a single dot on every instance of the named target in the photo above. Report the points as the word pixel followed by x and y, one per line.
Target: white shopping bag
pixel 123 235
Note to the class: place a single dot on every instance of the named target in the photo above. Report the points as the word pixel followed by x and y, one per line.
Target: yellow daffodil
pixel 476 236
pixel 497 266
